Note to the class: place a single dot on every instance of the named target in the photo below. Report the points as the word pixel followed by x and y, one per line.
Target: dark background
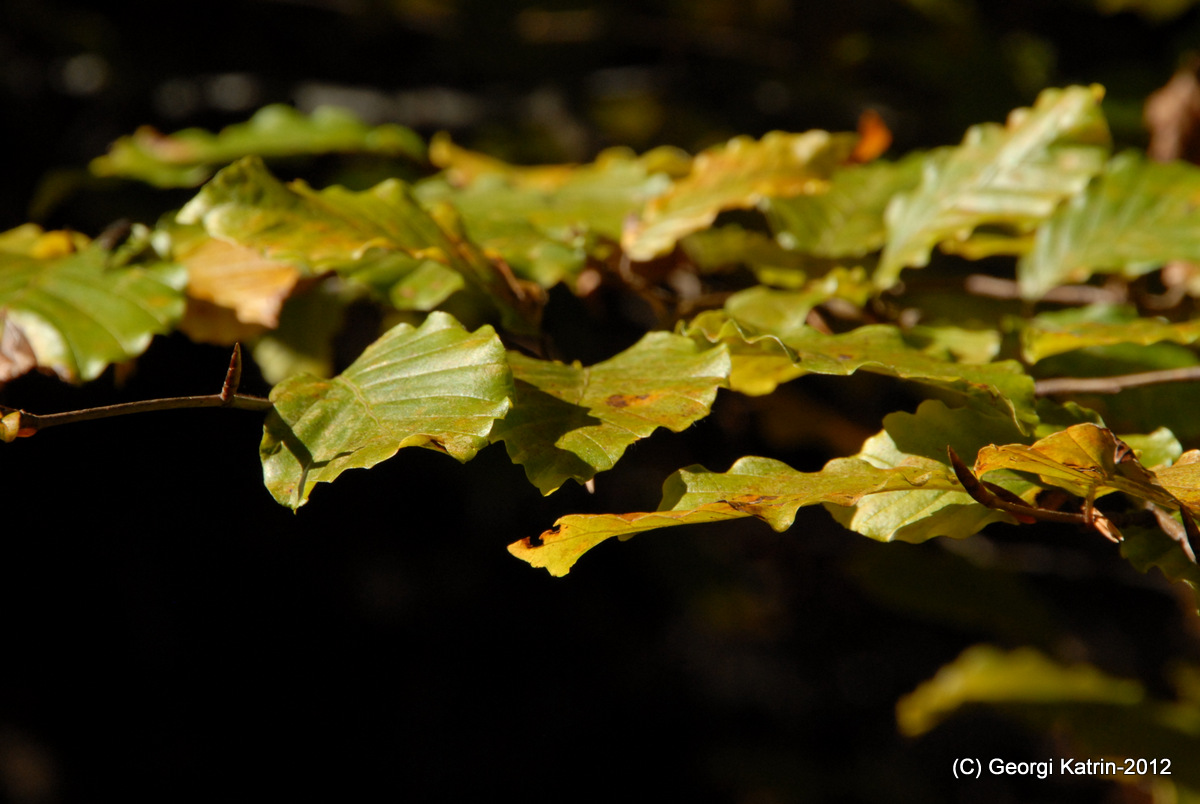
pixel 170 632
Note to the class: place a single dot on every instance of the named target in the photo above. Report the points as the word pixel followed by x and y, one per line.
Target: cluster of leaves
pixel 461 261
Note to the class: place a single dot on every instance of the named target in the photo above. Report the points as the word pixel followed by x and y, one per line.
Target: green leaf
pixel 70 306
pixel 381 236
pixel 986 675
pixel 437 386
pixel 847 219
pixel 1011 176
pixel 753 487
pixel 1062 331
pixel 570 422
pixel 1151 548
pixel 187 158
pixel 770 344
pixel 921 439
pixel 1099 716
pixel 544 221
pixel 736 175
pixel 1134 217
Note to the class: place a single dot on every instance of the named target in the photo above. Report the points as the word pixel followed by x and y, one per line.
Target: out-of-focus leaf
pixel 1157 10
pixel 187 158
pixel 1062 331
pixel 570 422
pixel 303 343
pixel 770 344
pixel 546 220
pixel 973 594
pixel 1011 176
pixel 380 236
pixel 437 386
pixel 1099 716
pixel 921 439
pixel 847 219
pixel 986 675
pixel 753 487
pixel 68 305
pixel 715 249
pixel 1134 217
pixel 1151 548
pixel 1182 478
pixel 736 175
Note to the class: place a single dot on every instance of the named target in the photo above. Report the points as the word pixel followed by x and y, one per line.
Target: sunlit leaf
pixel 1066 330
pixel 921 439
pixel 570 422
pixel 70 306
pixel 545 220
pixel 736 175
pixel 437 386
pixel 770 344
pixel 1087 460
pixel 1011 176
pixel 753 487
pixel 847 219
pixel 1134 217
pixel 380 236
pixel 187 158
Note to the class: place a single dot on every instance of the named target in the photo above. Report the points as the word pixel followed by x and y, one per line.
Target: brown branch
pixel 1114 385
pixel 22 424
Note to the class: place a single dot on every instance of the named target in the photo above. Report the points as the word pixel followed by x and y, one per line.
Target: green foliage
pixel 72 306
pixel 805 280
pixel 188 158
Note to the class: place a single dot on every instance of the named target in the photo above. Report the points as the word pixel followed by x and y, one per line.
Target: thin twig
pixel 1114 385
pixel 30 423
pixel 997 288
pixel 987 494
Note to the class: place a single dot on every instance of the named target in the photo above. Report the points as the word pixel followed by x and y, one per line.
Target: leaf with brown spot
pixel 570 422
pixel 761 488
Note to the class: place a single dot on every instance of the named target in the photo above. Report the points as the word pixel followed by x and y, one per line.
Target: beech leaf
pixel 736 175
pixel 847 219
pixel 1087 460
pixel 187 158
pixel 380 236
pixel 1010 176
pixel 570 422
pixel 545 221
pixel 436 386
pixel 1062 331
pixel 921 439
pixel 762 488
pixel 1134 217
pixel 770 344
pixel 68 305
pixel 986 675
